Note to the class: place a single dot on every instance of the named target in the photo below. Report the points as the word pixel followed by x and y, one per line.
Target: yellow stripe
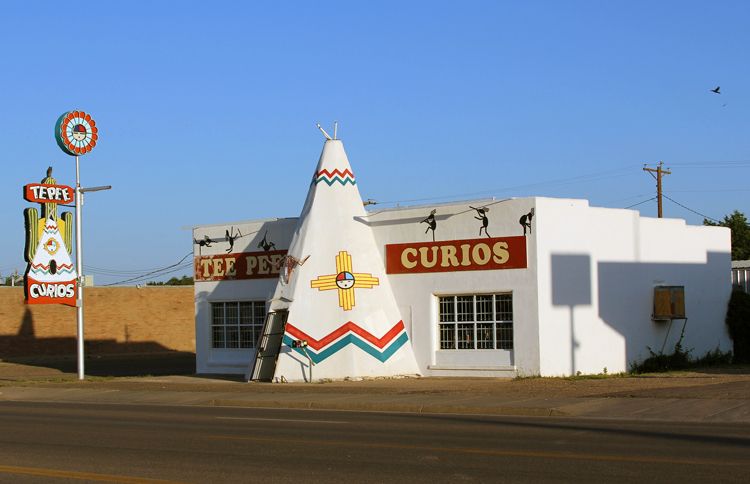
pixel 372 281
pixel 325 287
pixel 343 262
pixel 339 262
pixel 324 283
pixel 83 476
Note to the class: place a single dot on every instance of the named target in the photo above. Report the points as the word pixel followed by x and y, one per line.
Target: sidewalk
pixel 709 396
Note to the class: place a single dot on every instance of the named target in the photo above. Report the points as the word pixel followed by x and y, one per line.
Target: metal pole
pixel 79 270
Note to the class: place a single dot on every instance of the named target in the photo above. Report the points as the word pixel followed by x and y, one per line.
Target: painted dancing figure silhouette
pixel 525 221
pixel 206 242
pixel 482 215
pixel 431 223
pixel 230 238
pixel 265 244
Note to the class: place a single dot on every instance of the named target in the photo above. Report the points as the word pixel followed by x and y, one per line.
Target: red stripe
pixel 341 331
pixel 336 171
pixel 46 268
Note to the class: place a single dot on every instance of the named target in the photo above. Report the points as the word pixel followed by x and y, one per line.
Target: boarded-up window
pixel 669 302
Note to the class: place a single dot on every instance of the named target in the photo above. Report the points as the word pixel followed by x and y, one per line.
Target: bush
pixel 715 358
pixel 658 362
pixel 738 320
pixel 680 359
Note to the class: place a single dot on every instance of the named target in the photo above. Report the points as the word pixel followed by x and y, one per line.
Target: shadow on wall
pixel 104 357
pixel 267 238
pixel 622 282
pixel 571 287
pixel 625 300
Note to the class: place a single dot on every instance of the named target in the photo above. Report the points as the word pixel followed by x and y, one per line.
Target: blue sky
pixel 207 110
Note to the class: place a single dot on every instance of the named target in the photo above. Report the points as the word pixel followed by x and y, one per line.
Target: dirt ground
pixel 149 373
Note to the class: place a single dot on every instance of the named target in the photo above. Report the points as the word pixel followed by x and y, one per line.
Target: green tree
pixel 737 223
pixel 183 281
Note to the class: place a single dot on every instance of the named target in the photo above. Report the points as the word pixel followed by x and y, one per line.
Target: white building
pixel 576 293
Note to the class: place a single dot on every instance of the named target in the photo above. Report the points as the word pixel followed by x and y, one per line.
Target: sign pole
pixel 76 134
pixel 79 270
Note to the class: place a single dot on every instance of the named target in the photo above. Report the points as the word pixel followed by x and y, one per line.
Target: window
pixel 476 322
pixel 236 324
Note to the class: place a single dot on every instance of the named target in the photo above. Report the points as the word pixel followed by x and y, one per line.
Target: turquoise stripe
pixel 335 179
pixel 351 339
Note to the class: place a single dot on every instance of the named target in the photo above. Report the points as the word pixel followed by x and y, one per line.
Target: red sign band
pixel 62 292
pixel 457 255
pixel 243 265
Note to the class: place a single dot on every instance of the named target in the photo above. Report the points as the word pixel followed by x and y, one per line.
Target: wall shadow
pixel 571 287
pixel 103 357
pixel 225 290
pixel 620 283
pixel 625 299
pixel 625 302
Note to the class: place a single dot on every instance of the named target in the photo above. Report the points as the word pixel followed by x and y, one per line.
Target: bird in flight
pixel 716 90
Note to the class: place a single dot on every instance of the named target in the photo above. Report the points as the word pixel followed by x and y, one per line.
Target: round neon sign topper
pixel 76 133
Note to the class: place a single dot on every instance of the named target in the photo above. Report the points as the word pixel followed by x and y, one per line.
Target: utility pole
pixel 659 170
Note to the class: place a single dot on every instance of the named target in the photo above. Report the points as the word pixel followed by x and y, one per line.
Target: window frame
pixel 471 334
pixel 246 327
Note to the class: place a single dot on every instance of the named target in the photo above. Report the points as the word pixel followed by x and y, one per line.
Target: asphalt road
pixel 53 442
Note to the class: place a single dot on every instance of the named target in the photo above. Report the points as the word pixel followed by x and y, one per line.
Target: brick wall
pixel 116 319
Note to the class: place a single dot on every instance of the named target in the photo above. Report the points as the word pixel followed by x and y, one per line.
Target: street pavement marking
pixel 293 420
pixel 84 476
pixel 498 453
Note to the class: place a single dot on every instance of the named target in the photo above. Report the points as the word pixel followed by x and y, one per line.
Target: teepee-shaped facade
pixel 51 277
pixel 339 300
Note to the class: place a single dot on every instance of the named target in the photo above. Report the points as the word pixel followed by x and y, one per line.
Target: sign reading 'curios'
pixel 457 255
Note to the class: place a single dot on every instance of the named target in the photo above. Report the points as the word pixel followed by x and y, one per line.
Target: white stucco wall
pixel 417 294
pixel 583 303
pixel 597 270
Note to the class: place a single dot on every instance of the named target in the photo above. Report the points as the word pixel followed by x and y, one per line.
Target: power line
pixel 640 203
pixel 713 164
pixel 691 210
pixel 162 271
pixel 615 173
pixel 145 277
pixel 117 272
pixel 712 190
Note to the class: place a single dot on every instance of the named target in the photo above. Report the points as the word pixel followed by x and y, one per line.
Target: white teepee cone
pixel 51 277
pixel 340 300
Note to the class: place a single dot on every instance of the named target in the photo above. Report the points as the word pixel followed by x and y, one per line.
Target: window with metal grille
pixel 476 322
pixel 236 324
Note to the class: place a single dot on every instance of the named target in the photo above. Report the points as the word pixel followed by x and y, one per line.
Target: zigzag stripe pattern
pixel 59 271
pixel 350 333
pixel 335 176
pixel 61 267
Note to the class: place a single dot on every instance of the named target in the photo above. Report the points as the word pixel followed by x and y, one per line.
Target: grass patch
pixel 578 376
